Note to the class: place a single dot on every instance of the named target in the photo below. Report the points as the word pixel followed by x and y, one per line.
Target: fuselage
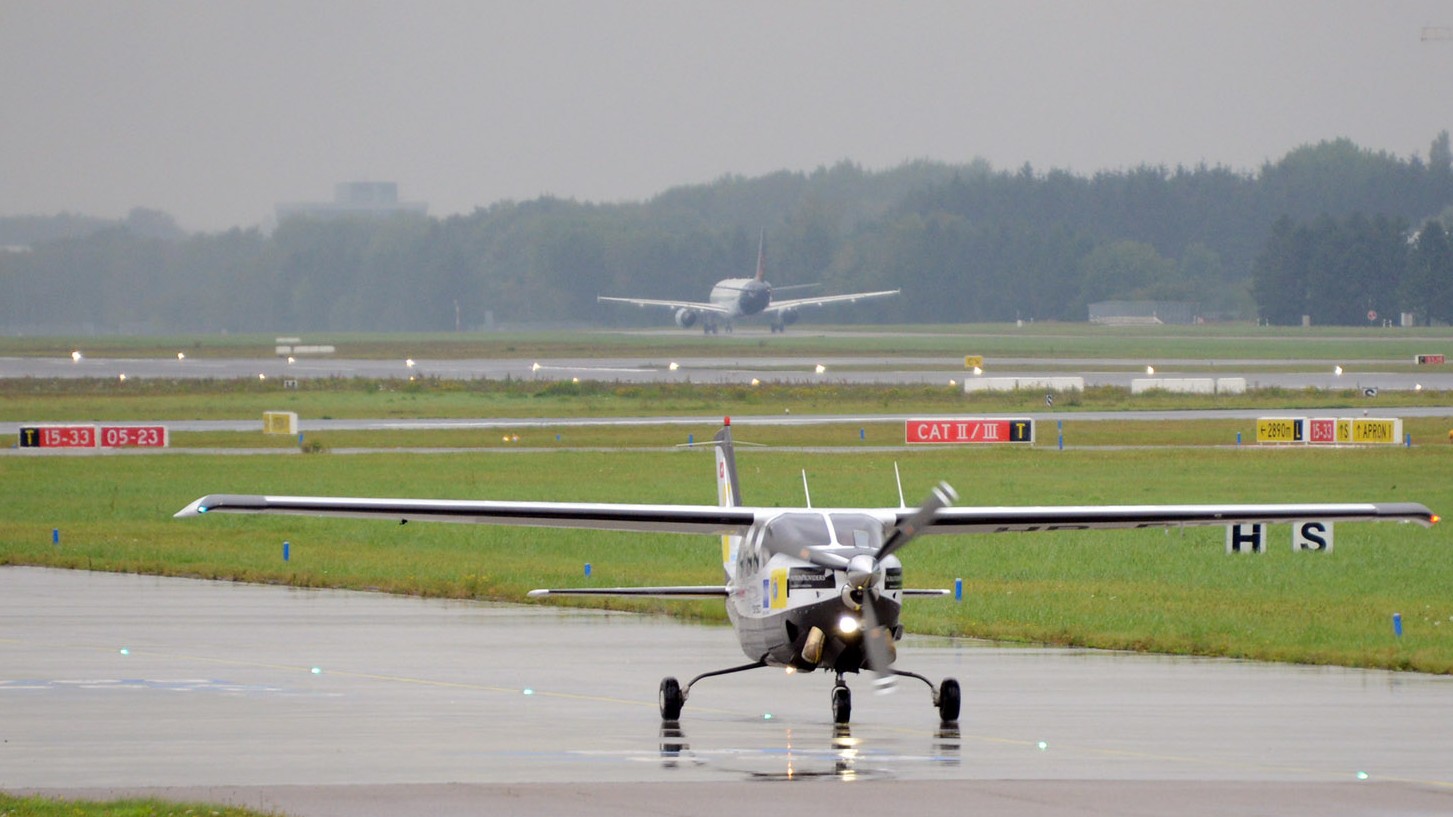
pixel 741 297
pixel 790 612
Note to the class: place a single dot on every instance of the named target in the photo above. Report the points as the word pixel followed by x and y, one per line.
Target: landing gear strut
pixel 673 696
pixel 947 697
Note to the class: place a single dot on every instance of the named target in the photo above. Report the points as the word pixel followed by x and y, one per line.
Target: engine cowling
pixel 686 318
pixel 789 317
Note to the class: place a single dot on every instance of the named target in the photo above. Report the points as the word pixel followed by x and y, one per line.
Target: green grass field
pixel 1174 592
pixel 11 806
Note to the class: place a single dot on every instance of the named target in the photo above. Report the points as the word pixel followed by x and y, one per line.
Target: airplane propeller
pixel 865 578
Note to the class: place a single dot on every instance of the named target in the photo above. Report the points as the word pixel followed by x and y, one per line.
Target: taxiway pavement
pixel 324 703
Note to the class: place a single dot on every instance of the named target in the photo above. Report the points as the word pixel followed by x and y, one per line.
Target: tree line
pixel 1324 231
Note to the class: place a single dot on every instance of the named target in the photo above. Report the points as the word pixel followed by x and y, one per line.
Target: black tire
pixel 949 700
pixel 842 704
pixel 671 699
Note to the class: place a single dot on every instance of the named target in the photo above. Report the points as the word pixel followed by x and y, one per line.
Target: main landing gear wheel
pixel 949 700
pixel 842 704
pixel 671 699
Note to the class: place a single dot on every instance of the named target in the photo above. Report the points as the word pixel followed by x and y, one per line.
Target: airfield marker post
pixel 1397 624
pixel 958 589
pixel 55 536
pixel 1061 424
pixel 587 570
pixel 286 548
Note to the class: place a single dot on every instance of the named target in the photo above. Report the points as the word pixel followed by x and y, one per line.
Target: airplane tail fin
pixel 761 256
pixel 728 490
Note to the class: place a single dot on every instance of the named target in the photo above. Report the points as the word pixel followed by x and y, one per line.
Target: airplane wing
pixel 795 303
pixel 712 519
pixel 697 306
pixel 1094 517
pixel 708 519
pixel 688 591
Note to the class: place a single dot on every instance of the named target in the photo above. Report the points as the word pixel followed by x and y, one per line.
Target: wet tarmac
pixel 330 702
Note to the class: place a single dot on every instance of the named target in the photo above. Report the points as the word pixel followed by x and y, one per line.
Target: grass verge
pixel 1173 592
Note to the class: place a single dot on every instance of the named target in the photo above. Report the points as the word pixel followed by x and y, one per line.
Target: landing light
pixel 847 625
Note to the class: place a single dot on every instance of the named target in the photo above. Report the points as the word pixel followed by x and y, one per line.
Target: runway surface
pixel 332 703
pixel 741 369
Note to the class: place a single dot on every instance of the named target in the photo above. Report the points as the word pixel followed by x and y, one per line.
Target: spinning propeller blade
pixel 866 575
pixel 942 496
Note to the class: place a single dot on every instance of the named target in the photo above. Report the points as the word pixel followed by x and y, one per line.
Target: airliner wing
pixel 796 303
pixel 1091 517
pixel 697 306
pixel 708 519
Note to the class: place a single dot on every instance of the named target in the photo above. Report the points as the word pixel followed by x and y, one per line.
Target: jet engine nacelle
pixel 685 318
pixel 789 317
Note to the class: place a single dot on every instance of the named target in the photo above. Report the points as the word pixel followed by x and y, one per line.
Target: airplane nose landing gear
pixel 842 702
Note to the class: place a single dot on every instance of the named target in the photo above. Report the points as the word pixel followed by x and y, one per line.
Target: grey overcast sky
pixel 216 111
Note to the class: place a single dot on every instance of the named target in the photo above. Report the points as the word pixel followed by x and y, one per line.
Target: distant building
pixel 354 200
pixel 1133 312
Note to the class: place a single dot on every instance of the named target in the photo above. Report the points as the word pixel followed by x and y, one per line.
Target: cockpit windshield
pixel 858 530
pixel 790 532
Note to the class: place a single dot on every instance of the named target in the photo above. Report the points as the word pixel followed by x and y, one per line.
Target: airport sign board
pixel 961 431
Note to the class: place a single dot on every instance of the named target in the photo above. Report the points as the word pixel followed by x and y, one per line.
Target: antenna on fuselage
pixel 805 492
pixel 897 477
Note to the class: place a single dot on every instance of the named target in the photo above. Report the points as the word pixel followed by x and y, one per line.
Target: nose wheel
pixel 842 703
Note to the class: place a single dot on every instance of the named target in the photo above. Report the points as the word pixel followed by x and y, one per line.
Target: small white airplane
pixel 805 588
pixel 734 298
